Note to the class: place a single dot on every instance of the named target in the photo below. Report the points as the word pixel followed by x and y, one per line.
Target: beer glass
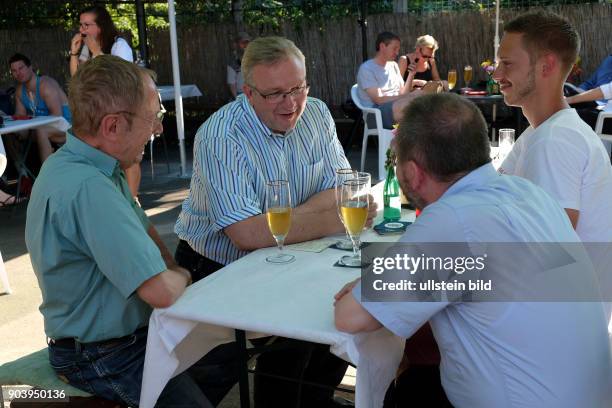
pixel 452 79
pixel 355 204
pixel 341 176
pixel 467 75
pixel 278 214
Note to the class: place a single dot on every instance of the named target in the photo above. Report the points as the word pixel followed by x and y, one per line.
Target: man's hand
pixel 433 87
pixel 345 290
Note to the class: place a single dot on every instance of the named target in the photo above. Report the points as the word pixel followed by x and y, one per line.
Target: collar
pixel 105 163
pixel 478 177
pixel 255 121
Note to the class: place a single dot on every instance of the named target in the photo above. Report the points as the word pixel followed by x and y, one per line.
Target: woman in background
pixel 424 58
pixel 98 35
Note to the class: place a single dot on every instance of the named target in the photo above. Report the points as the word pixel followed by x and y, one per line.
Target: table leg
pixel 243 376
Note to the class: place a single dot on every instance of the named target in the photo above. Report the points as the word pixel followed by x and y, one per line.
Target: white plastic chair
pixel 384 135
pixel 605 138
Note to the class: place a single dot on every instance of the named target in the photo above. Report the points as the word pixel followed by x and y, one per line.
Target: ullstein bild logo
pixel 491 272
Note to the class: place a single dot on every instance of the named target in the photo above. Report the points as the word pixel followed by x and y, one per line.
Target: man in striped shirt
pixel 274 131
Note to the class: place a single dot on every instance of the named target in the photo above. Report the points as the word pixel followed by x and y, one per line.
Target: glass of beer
pixel 278 214
pixel 341 176
pixel 355 203
pixel 452 79
pixel 467 75
pixel 506 141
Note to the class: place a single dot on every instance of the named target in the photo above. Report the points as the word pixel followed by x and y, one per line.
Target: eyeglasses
pixel 159 116
pixel 86 25
pixel 277 97
pixel 430 56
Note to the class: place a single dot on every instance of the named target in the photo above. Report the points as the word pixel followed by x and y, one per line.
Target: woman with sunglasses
pixel 424 59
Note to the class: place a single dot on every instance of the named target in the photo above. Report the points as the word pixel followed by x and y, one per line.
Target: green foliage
pixel 60 13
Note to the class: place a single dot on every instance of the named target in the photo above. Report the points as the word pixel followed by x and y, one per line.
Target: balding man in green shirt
pixel 100 264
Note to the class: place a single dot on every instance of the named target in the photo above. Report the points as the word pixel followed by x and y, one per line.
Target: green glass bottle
pixel 391 196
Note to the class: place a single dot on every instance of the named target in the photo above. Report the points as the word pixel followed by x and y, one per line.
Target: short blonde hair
pixel 103 85
pixel 268 51
pixel 426 41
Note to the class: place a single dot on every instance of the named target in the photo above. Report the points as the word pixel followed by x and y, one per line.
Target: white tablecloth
pixel 52 122
pixel 187 91
pixel 294 300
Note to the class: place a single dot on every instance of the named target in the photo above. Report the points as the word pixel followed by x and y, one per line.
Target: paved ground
pixel 21 324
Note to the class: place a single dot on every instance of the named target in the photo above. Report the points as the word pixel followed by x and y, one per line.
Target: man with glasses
pixel 100 263
pixel 273 131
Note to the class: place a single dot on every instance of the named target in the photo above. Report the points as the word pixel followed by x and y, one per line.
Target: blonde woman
pixel 424 59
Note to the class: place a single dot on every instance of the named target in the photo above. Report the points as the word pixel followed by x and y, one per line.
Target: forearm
pixel 74 64
pixel 316 218
pixel 408 85
pixel 379 99
pixel 351 317
pixel 163 289
pixel 163 249
pixel 592 95
pixel 435 75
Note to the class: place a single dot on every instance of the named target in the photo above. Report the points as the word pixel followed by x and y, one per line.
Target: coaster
pixel 341 264
pixel 391 227
pixel 350 249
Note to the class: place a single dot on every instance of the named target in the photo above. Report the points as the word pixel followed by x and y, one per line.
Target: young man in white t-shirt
pixel 559 152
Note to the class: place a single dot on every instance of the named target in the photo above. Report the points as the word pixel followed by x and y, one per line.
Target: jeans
pixel 113 370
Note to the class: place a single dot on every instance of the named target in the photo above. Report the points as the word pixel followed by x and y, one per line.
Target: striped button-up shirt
pixel 235 154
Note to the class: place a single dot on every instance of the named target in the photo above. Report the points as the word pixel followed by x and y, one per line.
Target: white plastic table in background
pixel 187 91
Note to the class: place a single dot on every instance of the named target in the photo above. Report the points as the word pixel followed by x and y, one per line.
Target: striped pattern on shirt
pixel 235 154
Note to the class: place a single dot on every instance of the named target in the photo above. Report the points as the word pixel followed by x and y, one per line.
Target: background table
pixel 293 300
pixel 187 91
pixel 52 122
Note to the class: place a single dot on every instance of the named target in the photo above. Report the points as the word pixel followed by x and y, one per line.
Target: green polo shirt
pixel 89 246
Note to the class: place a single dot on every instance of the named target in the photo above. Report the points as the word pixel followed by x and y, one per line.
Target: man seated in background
pixel 39 96
pixel 235 80
pixel 495 353
pixel 380 82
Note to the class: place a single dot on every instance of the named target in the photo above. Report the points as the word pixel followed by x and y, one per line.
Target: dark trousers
pixel 296 359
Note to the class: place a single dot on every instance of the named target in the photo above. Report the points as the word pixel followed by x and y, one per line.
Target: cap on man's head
pixel 243 36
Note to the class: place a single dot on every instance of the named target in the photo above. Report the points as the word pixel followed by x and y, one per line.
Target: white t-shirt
pixel 120 49
pixel 372 75
pixel 235 77
pixel 566 158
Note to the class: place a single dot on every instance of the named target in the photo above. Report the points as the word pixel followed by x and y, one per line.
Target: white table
pixel 293 300
pixel 50 122
pixel 187 91
pixel 40 122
